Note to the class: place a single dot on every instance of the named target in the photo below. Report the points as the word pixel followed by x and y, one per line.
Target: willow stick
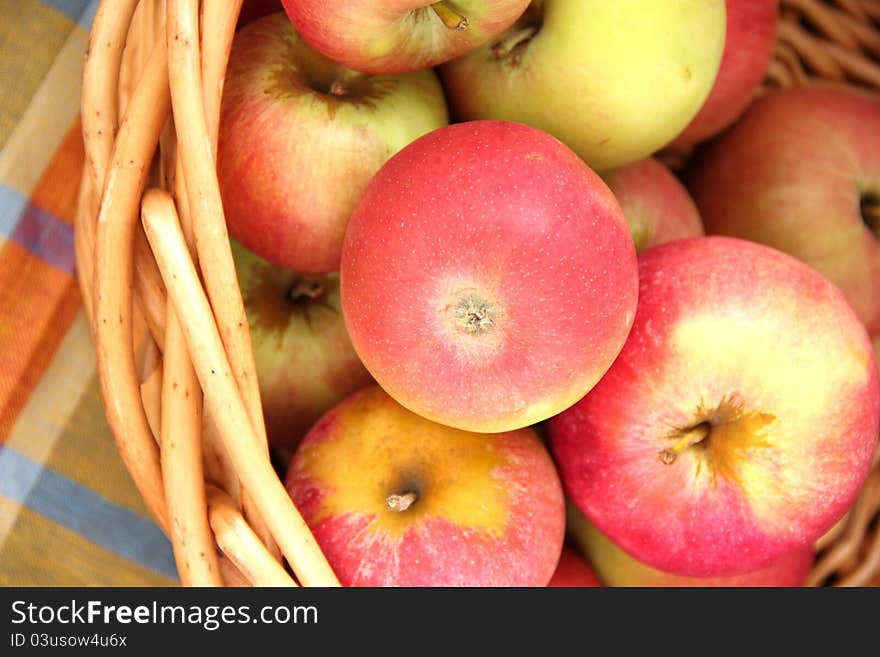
pixel 826 20
pixel 868 37
pixel 222 394
pixel 232 576
pixel 810 50
pixel 99 115
pixel 855 64
pixel 212 240
pixel 241 545
pixel 117 220
pixel 218 22
pixel 219 18
pixel 84 240
pixel 206 207
pixel 100 84
pixel 182 473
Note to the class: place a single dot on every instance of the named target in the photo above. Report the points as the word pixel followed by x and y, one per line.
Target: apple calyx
pixel 690 437
pixel 869 204
pixel 451 18
pixel 400 503
pixel 338 89
pixel 305 289
pixel 473 315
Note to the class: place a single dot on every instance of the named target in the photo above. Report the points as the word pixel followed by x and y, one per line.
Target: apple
pixel 800 171
pixel 740 419
pixel 617 568
pixel 572 571
pixel 300 138
pixel 615 81
pixel 398 36
pixel 488 276
pixel 394 499
pixel 656 205
pixel 748 50
pixel 304 358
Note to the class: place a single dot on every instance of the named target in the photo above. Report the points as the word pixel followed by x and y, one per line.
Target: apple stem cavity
pixel 400 503
pixel 451 18
pixel 517 38
pixel 870 207
pixel 690 437
pixel 304 289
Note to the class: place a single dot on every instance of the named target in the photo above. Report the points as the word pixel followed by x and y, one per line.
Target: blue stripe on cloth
pixel 83 511
pixel 75 10
pixel 12 204
pixel 45 236
pixel 88 15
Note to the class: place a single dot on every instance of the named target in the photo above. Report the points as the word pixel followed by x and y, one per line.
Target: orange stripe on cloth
pixel 57 190
pixel 37 306
pixel 37 302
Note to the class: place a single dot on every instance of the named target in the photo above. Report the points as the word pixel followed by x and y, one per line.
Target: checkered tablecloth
pixel 69 513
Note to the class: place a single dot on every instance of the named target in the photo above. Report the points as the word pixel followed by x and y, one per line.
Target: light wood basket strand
pixel 159 287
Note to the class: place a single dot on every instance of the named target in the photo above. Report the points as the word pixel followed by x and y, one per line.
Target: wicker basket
pixel 156 272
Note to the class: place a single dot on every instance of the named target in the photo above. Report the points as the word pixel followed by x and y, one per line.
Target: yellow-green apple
pixel 617 568
pixel 304 358
pixel 656 205
pixel 394 499
pixel 740 419
pixel 748 49
pixel 572 571
pixel 398 36
pixel 300 137
pixel 615 81
pixel 800 171
pixel 488 276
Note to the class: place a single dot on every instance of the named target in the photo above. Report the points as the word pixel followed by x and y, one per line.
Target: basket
pixel 159 287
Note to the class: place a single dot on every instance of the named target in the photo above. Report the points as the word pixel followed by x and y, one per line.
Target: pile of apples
pixel 496 339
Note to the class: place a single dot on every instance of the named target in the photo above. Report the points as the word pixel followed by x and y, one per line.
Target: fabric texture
pixel 69 512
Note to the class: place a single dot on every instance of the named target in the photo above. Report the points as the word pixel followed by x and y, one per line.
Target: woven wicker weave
pixel 179 355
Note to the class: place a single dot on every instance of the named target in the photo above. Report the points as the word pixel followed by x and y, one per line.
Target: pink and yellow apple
pixel 748 49
pixel 573 572
pixel 656 205
pixel 397 36
pixel 617 568
pixel 304 358
pixel 800 171
pixel 740 419
pixel 300 138
pixel 488 276
pixel 616 81
pixel 396 500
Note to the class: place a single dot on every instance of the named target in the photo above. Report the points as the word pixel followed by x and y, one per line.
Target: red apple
pixel 740 419
pixel 800 172
pixel 304 358
pixel 573 571
pixel 300 138
pixel 617 568
pixel 397 36
pixel 657 206
pixel 396 500
pixel 748 50
pixel 488 276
